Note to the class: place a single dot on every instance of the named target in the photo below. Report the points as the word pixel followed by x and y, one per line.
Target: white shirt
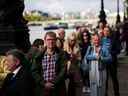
pixel 16 71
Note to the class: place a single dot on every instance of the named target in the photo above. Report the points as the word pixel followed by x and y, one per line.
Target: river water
pixel 39 32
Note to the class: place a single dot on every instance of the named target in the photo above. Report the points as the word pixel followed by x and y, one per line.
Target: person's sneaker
pixel 83 90
pixel 86 90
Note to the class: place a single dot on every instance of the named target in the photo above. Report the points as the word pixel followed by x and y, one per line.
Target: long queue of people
pixel 55 66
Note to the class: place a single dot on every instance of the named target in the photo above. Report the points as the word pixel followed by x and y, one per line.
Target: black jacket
pixel 21 85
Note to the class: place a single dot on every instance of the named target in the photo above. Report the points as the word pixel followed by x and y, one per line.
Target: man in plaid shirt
pixel 49 69
pixel 48 63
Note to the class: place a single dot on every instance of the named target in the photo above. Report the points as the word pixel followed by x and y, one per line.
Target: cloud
pixel 70 5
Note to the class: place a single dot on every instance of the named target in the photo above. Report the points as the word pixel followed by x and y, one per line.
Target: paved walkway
pixel 123 75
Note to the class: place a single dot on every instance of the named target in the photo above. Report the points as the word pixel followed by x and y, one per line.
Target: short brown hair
pixel 51 34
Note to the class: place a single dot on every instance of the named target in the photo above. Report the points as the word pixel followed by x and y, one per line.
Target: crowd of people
pixel 59 66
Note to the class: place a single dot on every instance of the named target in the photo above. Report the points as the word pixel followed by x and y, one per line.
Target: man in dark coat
pixel 19 81
pixel 48 69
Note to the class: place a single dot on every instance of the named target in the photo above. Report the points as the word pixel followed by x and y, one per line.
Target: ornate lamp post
pixel 127 8
pixel 124 18
pixel 102 15
pixel 118 12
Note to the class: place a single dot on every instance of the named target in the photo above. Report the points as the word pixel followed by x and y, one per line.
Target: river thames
pixel 38 32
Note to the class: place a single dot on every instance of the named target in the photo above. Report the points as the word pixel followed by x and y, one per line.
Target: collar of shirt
pixel 16 71
pixel 46 53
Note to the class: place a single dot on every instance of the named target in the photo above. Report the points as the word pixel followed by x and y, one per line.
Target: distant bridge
pixel 94 22
pixel 72 21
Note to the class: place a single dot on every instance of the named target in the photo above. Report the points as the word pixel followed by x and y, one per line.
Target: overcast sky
pixel 71 5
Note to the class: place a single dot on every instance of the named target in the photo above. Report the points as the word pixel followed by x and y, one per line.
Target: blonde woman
pixel 72 48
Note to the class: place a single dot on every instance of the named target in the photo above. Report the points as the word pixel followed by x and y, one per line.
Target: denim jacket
pixel 104 57
pixel 106 42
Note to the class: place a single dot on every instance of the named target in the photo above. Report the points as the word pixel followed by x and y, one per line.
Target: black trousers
pixel 112 72
pixel 126 47
pixel 85 78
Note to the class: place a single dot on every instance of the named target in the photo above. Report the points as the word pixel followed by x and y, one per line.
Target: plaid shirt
pixel 48 63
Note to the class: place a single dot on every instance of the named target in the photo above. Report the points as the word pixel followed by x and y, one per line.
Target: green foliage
pixel 32 18
pixel 39 18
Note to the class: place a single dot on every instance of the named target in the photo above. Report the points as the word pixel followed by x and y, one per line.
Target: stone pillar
pixel 13 29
